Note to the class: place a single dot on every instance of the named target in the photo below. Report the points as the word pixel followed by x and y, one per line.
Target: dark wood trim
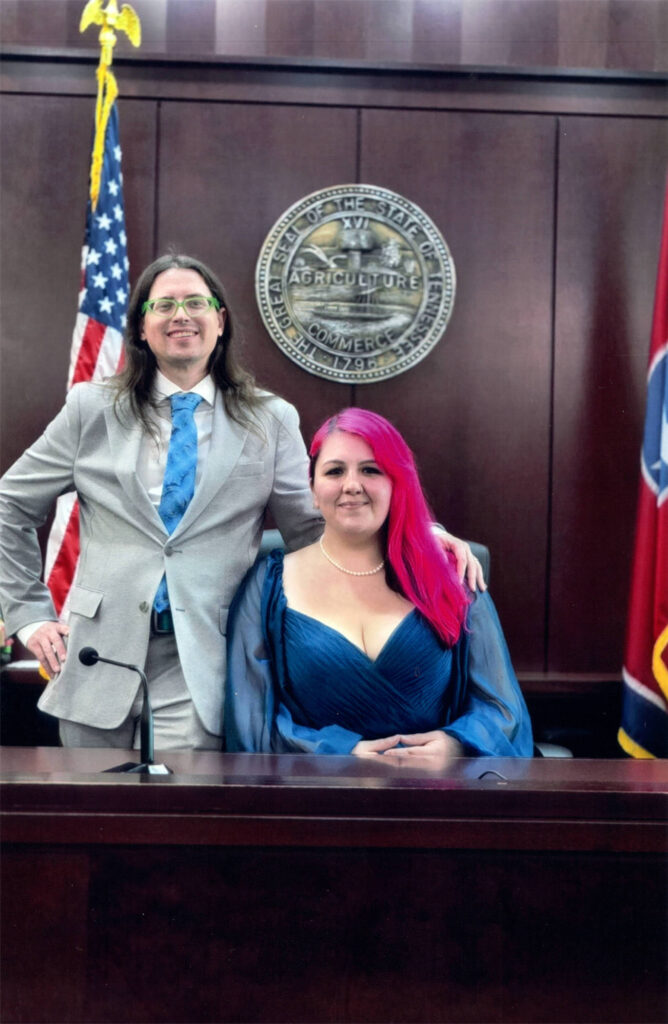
pixel 569 683
pixel 312 82
pixel 340 65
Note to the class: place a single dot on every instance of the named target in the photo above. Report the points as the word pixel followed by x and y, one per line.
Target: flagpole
pixel 110 18
pixel 97 342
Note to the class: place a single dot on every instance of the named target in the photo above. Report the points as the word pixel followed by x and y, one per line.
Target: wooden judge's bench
pixel 246 887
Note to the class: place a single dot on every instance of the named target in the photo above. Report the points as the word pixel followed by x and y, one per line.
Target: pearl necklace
pixel 350 572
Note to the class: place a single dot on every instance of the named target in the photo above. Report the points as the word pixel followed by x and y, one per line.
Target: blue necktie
pixel 179 484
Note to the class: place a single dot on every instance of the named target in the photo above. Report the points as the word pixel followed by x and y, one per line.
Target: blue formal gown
pixel 295 684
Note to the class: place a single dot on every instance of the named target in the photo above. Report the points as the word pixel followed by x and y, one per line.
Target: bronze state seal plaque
pixel 355 284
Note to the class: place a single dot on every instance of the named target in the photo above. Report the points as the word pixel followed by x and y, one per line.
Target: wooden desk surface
pixel 57 795
pixel 292 889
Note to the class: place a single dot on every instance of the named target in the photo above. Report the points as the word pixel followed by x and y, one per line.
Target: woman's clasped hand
pixel 434 748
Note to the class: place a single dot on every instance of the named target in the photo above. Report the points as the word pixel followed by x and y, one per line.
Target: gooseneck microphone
pixel 89 656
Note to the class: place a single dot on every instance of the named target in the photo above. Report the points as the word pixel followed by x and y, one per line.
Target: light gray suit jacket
pixel 125 548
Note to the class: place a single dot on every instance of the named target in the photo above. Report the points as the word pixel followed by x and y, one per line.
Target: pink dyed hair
pixel 422 572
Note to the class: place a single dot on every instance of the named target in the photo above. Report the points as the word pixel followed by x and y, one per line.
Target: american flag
pixel 97 343
pixel 644 728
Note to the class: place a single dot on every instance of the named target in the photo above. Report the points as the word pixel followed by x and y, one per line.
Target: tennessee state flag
pixel 644 727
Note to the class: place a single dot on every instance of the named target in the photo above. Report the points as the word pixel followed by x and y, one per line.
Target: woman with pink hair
pixel 366 642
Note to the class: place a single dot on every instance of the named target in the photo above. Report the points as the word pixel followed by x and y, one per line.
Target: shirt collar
pixel 164 388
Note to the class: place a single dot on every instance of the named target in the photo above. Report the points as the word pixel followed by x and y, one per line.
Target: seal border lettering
pixel 275 302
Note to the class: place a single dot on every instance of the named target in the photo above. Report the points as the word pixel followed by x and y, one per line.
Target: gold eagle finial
pixel 111 19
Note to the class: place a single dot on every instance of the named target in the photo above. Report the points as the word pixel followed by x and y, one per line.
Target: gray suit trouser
pixel 177 726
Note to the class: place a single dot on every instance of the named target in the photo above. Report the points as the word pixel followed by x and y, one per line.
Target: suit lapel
pixel 227 442
pixel 125 436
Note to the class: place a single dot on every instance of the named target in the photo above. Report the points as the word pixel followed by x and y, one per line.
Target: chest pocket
pixel 85 602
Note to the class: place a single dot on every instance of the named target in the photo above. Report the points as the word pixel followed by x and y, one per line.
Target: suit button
pixel 144 606
pixel 169 551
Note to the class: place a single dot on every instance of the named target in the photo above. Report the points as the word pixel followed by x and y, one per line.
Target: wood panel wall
pixel 526 418
pixel 627 35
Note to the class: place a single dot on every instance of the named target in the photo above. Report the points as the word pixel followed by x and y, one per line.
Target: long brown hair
pixel 135 381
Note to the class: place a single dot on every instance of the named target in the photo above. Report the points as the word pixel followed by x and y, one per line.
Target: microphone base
pixel 131 767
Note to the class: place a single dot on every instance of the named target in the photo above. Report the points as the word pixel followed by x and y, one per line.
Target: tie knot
pixel 184 402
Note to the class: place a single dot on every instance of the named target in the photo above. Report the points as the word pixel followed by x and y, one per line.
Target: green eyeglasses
pixel 194 305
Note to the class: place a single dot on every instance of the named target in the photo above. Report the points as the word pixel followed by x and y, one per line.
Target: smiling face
pixel 351 491
pixel 182 343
